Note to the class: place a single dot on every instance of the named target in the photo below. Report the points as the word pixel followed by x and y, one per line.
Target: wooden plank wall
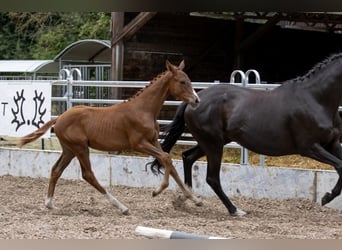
pixel 209 48
pixel 199 41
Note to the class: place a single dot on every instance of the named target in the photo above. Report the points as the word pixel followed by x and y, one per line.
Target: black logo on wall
pixel 18 111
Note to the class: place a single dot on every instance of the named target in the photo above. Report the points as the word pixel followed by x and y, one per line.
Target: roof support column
pixel 118 47
pixel 242 46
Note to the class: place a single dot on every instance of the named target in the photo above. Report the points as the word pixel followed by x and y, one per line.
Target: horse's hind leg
pixel 56 172
pixel 336 191
pixel 89 176
pixel 189 157
pixel 333 158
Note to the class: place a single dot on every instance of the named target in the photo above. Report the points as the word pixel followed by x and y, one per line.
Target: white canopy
pixel 29 66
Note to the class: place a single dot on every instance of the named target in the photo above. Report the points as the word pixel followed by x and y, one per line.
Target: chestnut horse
pixel 298 117
pixel 128 125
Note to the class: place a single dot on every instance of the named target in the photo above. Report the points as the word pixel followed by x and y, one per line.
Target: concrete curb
pixel 255 182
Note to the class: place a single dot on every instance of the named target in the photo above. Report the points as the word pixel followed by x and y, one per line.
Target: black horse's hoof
pixel 326 199
pixel 238 213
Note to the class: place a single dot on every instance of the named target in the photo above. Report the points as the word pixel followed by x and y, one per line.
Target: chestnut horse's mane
pixel 148 85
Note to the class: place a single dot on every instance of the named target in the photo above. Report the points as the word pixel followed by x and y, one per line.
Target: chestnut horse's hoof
pixel 49 204
pixel 199 204
pixel 183 198
pixel 125 211
pixel 326 199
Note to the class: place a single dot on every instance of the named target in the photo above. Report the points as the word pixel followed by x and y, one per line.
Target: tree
pixel 10 46
pixel 37 35
pixel 72 27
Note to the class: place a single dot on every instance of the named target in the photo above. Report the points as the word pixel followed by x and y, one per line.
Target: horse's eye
pixel 182 82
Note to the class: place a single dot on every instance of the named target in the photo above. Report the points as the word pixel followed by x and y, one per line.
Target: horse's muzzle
pixel 195 102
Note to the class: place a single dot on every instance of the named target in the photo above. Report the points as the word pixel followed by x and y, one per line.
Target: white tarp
pixel 24 106
pixel 28 66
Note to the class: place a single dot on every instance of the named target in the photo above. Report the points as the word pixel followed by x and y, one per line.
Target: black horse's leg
pixel 214 156
pixel 336 150
pixel 319 153
pixel 336 191
pixel 189 157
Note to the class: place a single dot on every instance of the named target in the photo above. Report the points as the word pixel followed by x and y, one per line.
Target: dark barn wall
pixel 207 46
pixel 201 42
pixel 284 54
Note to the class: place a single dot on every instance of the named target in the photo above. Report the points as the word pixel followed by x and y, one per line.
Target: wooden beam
pixel 260 32
pixel 131 28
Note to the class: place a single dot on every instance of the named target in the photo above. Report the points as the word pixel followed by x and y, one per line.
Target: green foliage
pixel 8 39
pixel 39 35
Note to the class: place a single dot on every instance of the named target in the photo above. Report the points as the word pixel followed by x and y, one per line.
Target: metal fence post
pixel 244 151
pixel 257 81
pixel 67 77
pixel 234 73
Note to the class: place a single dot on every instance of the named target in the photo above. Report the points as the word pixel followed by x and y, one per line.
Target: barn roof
pixel 88 50
pixel 312 21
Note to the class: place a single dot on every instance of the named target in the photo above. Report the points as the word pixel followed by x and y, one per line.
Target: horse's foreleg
pixel 56 172
pixel 165 160
pixel 186 191
pixel 213 179
pixel 170 169
pixel 89 176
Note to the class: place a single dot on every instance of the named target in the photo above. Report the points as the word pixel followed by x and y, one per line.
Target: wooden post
pixel 118 47
pixel 117 52
pixel 119 33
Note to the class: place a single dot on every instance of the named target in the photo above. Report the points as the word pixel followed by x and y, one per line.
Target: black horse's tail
pixel 172 133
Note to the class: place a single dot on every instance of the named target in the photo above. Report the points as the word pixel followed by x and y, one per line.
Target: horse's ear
pixel 181 65
pixel 170 67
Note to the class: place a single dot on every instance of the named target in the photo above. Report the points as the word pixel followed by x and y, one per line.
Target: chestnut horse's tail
pixel 36 134
pixel 172 133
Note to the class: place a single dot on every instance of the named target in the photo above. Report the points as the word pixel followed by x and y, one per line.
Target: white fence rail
pixel 69 83
pixel 70 90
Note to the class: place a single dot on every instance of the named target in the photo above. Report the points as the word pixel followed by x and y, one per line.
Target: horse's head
pixel 180 84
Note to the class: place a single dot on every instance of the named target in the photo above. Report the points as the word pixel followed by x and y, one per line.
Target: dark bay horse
pixel 298 117
pixel 129 125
